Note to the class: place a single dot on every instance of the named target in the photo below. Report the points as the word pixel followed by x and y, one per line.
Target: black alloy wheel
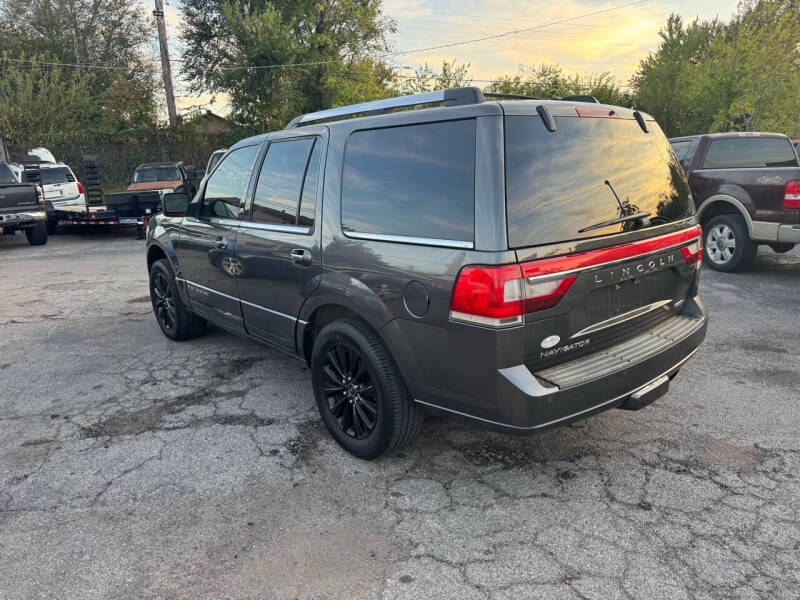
pixel 164 303
pixel 350 392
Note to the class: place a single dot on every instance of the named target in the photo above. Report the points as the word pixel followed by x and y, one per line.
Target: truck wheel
pixel 728 246
pixel 360 393
pixel 175 320
pixel 37 235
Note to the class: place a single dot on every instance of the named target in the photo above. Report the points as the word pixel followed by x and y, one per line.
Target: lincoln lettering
pixel 632 271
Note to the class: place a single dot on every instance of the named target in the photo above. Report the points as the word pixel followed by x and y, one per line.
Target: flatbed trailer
pixel 123 209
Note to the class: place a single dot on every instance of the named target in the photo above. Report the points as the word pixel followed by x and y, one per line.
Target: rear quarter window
pixel 414 181
pixel 750 153
pixel 681 149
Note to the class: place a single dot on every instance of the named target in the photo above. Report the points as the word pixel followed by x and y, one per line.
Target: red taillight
pixel 693 253
pixel 499 296
pixel 488 295
pixel 80 188
pixel 791 197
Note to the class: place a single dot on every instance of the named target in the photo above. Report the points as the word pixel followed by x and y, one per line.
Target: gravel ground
pixel 134 467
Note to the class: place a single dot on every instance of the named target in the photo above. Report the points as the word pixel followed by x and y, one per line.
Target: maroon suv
pixel 746 187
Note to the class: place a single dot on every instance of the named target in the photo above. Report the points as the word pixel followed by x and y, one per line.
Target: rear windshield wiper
pixel 642 214
pixel 639 215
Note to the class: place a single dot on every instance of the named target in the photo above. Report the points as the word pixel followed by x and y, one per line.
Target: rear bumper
pixel 789 234
pixel 769 232
pixel 517 400
pixel 22 219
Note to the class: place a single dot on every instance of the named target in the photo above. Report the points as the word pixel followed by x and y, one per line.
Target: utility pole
pixel 165 68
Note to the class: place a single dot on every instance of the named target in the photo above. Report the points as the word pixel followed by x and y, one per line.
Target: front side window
pixel 280 182
pixel 413 181
pixel 6 176
pixel 750 153
pixel 226 188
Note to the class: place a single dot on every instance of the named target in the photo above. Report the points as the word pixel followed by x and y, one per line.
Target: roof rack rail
pixel 451 97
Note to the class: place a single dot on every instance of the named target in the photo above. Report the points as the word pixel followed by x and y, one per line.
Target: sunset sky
pixel 614 41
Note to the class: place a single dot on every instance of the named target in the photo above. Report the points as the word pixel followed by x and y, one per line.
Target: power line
pixel 384 55
pixel 516 31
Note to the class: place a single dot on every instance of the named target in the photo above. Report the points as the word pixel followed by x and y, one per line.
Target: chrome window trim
pixel 269 310
pixel 404 239
pixel 277 227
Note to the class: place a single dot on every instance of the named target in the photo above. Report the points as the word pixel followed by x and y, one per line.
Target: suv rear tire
pixel 37 235
pixel 172 315
pixel 727 246
pixel 360 393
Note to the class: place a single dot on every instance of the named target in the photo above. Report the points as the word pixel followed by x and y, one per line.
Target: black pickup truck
pixel 746 188
pixel 22 208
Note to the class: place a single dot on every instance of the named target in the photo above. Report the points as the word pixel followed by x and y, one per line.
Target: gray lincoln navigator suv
pixel 518 263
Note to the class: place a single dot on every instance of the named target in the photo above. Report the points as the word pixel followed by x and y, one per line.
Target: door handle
pixel 221 243
pixel 301 256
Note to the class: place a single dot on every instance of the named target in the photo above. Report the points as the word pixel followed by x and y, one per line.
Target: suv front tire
pixel 360 393
pixel 172 315
pixel 727 245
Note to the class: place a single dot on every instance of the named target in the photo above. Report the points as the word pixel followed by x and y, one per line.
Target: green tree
pixel 111 35
pixel 427 79
pixel 549 81
pixel 41 100
pixel 711 76
pixel 336 45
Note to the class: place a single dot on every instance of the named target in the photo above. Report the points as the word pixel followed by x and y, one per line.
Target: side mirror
pixel 175 204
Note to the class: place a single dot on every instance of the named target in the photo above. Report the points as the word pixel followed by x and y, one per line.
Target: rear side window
pixel 681 149
pixel 563 185
pixel 286 175
pixel 750 152
pixel 56 175
pixel 414 181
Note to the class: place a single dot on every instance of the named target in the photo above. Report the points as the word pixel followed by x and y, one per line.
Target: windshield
pixel 56 175
pixel 561 184
pixel 150 174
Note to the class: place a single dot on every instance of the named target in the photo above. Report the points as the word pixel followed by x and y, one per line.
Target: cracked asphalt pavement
pixel 135 467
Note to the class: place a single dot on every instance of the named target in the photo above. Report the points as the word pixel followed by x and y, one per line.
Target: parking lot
pixel 132 466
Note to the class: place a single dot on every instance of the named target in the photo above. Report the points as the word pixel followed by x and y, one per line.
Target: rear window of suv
pixel 586 172
pixel 412 181
pixel 750 153
pixel 51 175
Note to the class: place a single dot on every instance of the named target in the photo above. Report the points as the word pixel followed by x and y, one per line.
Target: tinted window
pixel 749 152
pixel 416 180
pixel 588 171
pixel 227 187
pixel 151 174
pixel 681 149
pixel 280 180
pixel 56 175
pixel 6 176
pixel 308 203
